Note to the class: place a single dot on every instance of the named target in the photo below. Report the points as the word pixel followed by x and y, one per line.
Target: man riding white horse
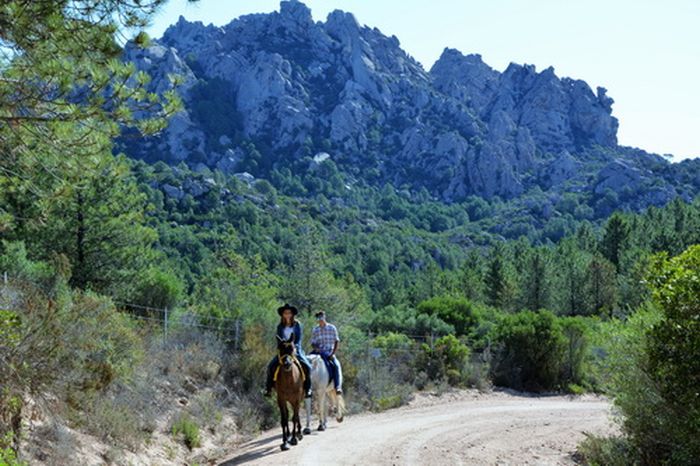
pixel 325 341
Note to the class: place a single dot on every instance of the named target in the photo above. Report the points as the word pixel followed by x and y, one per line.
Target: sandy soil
pixel 464 427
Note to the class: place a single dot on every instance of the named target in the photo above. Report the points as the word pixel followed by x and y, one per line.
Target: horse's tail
pixel 340 407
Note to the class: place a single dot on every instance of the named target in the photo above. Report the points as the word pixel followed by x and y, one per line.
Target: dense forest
pixel 481 292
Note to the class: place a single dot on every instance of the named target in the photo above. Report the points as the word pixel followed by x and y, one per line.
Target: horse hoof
pixel 307 431
pixel 284 447
pixel 293 441
pixel 340 419
pixel 321 428
pixel 300 437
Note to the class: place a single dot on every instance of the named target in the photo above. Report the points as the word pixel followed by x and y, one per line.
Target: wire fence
pixel 231 328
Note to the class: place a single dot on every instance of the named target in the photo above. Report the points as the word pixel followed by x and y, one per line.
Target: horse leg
pixel 284 415
pixel 293 434
pixel 296 424
pixel 307 405
pixel 322 411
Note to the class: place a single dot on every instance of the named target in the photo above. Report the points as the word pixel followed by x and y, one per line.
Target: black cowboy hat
pixel 281 309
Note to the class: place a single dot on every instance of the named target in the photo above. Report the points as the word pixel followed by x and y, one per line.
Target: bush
pixel 8 457
pixel 654 368
pixel 576 358
pixel 398 350
pixel 158 289
pixel 188 429
pixel 604 451
pixel 446 360
pixel 529 350
pixel 458 312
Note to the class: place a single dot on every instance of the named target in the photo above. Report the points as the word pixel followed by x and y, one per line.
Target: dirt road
pixel 457 428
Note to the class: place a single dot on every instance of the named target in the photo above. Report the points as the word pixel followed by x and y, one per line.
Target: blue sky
pixel 645 52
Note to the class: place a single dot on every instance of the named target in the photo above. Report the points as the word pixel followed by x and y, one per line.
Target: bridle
pixel 286 359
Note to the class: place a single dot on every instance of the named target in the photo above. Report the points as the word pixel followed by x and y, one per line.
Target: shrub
pixel 188 429
pixel 458 312
pixel 158 289
pixel 529 351
pixel 575 368
pixel 447 359
pixel 605 451
pixel 8 457
pixel 654 368
pixel 398 350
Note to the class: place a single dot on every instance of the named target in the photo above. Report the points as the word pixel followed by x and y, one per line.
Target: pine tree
pixel 472 276
pixel 497 280
pixel 615 239
pixel 570 273
pixel 601 286
pixel 536 283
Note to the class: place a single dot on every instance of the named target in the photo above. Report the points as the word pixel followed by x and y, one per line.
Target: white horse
pixel 322 388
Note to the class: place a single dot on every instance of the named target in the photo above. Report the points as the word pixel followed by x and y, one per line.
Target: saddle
pixel 330 367
pixel 298 364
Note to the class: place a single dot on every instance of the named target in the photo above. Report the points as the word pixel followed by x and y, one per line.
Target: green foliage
pixel 402 319
pixel 653 367
pixel 458 312
pixel 529 351
pixel 186 428
pixel 446 360
pixel 158 289
pixel 576 370
pixel 615 237
pixel 8 456
pixel 673 351
pixel 605 451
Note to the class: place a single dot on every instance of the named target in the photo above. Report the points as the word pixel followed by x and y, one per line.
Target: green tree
pixel 99 224
pixel 529 348
pixel 674 356
pixel 458 312
pixel 471 276
pixel 535 280
pixel 616 234
pixel 570 272
pixel 64 91
pixel 601 286
pixel 498 281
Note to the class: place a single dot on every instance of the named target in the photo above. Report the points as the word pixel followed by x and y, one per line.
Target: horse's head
pixel 286 350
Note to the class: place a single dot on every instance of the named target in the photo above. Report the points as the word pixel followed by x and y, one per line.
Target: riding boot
pixel 307 381
pixel 269 382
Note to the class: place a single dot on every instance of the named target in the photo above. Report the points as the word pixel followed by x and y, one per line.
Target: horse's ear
pixel 290 339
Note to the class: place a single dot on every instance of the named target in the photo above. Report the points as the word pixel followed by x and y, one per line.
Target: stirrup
pixel 308 393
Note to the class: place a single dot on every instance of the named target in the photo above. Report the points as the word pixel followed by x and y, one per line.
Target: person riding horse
pixel 324 341
pixel 287 327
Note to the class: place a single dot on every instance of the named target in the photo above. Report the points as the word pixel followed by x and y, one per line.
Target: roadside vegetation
pixel 97 249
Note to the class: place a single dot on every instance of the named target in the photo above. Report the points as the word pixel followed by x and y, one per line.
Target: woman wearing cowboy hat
pixel 287 327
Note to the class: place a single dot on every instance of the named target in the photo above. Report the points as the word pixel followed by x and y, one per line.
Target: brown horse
pixel 290 389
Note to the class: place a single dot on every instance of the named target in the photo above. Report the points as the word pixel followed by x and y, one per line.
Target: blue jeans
pixel 332 367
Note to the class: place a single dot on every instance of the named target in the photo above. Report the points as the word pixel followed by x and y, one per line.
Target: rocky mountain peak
pixel 296 11
pixel 267 91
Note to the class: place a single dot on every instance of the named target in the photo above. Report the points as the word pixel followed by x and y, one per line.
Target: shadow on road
pixel 255 450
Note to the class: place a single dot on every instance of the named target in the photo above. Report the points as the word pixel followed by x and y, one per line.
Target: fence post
pixel 165 324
